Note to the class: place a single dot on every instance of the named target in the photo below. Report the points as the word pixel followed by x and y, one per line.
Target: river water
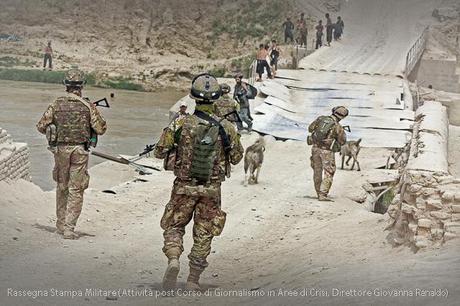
pixel 134 119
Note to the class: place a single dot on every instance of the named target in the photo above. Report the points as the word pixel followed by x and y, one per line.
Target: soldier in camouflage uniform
pixel 327 138
pixel 180 116
pixel 68 123
pixel 226 104
pixel 205 147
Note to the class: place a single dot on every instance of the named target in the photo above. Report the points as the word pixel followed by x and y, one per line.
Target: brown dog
pixel 253 159
pixel 351 149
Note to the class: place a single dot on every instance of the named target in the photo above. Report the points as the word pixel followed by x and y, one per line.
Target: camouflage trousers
pixel 70 173
pixel 203 204
pixel 323 164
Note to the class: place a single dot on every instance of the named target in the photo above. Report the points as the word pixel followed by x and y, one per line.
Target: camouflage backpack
pixel 206 146
pixel 323 129
pixel 204 152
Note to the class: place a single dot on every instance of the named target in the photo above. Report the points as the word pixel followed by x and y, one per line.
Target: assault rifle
pixel 94 137
pixel 347 128
pixel 235 114
pixel 101 102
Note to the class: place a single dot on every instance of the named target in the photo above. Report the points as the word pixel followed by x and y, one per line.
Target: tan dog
pixel 253 159
pixel 351 149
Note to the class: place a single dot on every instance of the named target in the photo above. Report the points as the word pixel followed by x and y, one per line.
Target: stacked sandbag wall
pixel 14 159
pixel 426 212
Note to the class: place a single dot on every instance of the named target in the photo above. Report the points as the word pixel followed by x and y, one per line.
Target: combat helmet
pixel 75 78
pixel 205 88
pixel 340 112
pixel 225 88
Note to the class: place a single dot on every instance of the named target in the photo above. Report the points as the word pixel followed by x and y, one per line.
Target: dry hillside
pixel 157 42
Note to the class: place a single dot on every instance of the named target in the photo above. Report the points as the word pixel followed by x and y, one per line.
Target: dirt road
pixel 277 236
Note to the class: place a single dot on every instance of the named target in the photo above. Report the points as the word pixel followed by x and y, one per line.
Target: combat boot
pixel 324 198
pixel 170 277
pixel 193 280
pixel 68 234
pixel 60 229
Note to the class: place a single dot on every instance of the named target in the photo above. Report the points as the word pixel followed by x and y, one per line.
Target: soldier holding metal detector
pixel 327 137
pixel 71 125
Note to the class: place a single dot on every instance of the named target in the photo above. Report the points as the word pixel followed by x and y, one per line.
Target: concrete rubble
pixel 14 159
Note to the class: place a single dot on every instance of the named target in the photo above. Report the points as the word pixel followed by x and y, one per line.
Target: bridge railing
pixel 415 52
pixel 252 72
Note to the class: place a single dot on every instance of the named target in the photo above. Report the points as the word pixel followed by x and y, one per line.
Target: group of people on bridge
pixel 332 29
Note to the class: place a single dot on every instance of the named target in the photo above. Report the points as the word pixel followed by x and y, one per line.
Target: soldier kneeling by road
pixel 327 136
pixel 200 152
pixel 69 122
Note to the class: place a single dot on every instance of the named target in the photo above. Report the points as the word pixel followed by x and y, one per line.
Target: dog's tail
pixel 358 141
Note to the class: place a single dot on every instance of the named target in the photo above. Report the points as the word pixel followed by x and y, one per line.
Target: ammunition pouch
pixel 92 142
pixel 169 161
pixel 201 191
pixel 51 135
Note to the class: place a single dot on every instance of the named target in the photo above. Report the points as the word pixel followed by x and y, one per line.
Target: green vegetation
pixel 8 61
pixel 32 75
pixel 254 19
pixel 56 77
pixel 385 200
pixel 123 84
pixel 218 72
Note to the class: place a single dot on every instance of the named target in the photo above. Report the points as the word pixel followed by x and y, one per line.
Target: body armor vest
pixel 73 121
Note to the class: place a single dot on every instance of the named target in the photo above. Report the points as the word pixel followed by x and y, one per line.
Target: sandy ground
pixel 276 236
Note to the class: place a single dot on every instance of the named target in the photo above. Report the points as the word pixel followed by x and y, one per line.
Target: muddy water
pixel 134 120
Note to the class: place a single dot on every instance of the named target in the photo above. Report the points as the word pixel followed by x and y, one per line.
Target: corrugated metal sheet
pixel 379 106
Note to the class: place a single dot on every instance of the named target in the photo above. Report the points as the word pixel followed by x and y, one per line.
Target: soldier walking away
pixel 274 54
pixel 240 94
pixel 226 105
pixel 302 28
pixel 329 28
pixel 338 28
pixel 205 148
pixel 288 30
pixel 68 124
pixel 48 56
pixel 319 34
pixel 327 136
